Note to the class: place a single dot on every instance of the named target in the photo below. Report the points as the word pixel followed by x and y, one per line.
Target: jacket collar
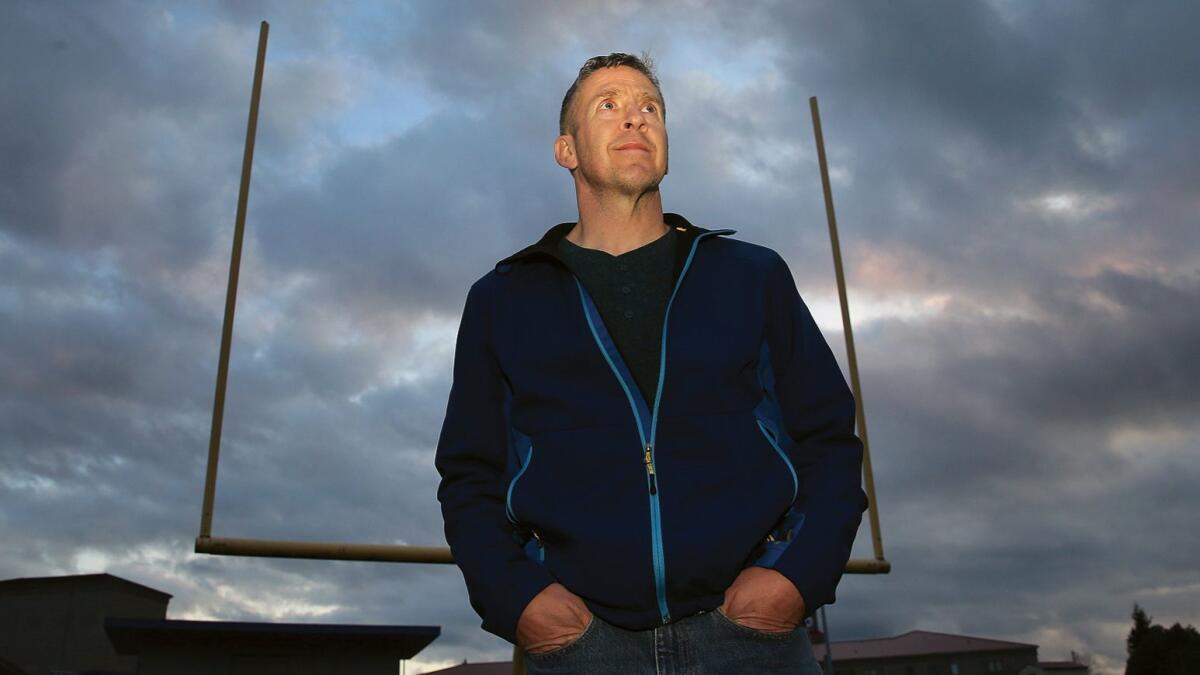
pixel 548 244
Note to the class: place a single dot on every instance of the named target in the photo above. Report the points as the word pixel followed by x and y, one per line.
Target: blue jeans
pixel 708 643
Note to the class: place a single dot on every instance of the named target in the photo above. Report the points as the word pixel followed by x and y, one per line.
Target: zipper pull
pixel 541 547
pixel 649 460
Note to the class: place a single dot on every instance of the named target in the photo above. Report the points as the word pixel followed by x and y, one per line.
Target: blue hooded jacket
pixel 555 468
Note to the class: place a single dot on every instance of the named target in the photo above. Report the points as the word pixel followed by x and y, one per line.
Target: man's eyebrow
pixel 615 92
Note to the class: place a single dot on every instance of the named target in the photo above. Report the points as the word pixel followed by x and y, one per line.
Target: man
pixel 648 458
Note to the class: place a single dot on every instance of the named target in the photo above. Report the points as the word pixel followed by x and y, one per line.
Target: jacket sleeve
pixel 471 459
pixel 817 410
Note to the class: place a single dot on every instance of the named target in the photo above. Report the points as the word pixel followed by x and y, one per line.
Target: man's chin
pixel 636 183
pixel 636 189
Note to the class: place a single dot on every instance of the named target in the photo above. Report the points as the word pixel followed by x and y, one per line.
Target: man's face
pixel 620 139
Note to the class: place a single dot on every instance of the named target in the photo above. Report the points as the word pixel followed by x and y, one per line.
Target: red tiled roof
pixel 1062 665
pixel 489 668
pixel 914 643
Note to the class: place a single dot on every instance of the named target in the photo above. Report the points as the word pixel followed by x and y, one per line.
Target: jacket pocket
pixel 771 438
pixel 584 495
pixel 526 458
pixel 528 537
pixel 780 538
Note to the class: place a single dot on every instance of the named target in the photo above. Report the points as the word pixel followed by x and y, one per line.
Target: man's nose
pixel 634 119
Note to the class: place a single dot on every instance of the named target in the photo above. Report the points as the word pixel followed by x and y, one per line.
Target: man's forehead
pixel 620 79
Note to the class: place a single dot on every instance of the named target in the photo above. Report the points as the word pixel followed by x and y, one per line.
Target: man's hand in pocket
pixel 765 600
pixel 554 618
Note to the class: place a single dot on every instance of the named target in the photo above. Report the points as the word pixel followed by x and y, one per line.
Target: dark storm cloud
pixel 1040 459
pixel 1019 401
pixel 122 130
pixel 950 117
pixel 1021 174
pixel 499 48
pixel 953 123
pixel 405 224
pixel 121 153
pixel 81 97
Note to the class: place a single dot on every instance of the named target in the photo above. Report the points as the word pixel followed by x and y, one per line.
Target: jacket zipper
pixel 660 572
pixel 649 461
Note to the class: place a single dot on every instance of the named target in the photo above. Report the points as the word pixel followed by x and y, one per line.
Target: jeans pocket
pixel 765 634
pixel 570 646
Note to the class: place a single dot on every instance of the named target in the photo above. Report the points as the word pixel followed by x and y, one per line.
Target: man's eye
pixel 650 106
pixel 607 103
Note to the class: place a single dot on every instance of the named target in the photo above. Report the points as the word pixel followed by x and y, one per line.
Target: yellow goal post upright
pixel 274 548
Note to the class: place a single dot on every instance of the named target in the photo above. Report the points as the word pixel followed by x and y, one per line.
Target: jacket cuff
pixel 813 588
pixel 512 595
pixel 815 559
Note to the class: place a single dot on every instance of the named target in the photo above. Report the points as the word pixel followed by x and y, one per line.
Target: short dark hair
pixel 644 64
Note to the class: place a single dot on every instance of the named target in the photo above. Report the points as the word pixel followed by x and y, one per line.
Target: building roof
pixel 80 582
pixel 915 643
pixel 132 636
pixel 1063 666
pixel 485 668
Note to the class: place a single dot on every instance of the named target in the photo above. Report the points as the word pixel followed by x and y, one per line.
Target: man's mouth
pixel 633 145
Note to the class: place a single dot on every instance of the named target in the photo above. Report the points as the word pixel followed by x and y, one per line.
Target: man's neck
pixel 620 223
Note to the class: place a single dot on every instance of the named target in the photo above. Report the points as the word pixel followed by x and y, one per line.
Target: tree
pixel 1154 650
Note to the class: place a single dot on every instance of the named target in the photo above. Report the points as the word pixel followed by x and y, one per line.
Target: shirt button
pixel 625 289
pixel 629 314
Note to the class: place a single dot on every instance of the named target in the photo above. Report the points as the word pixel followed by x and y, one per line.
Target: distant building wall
pixel 294 660
pixel 172 647
pixel 57 623
pixel 102 623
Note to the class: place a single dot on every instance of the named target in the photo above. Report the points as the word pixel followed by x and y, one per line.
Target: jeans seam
pixel 657 651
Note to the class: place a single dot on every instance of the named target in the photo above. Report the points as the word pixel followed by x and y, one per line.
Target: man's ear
pixel 564 152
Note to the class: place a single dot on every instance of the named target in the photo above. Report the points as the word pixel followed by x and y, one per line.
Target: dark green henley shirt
pixel 631 292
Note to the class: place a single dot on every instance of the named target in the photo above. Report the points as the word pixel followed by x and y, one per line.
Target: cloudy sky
pixel 1016 185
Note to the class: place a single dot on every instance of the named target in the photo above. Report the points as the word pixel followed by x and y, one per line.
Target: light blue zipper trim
pixel 662 361
pixel 588 308
pixel 783 456
pixel 660 571
pixel 525 461
pixel 639 411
